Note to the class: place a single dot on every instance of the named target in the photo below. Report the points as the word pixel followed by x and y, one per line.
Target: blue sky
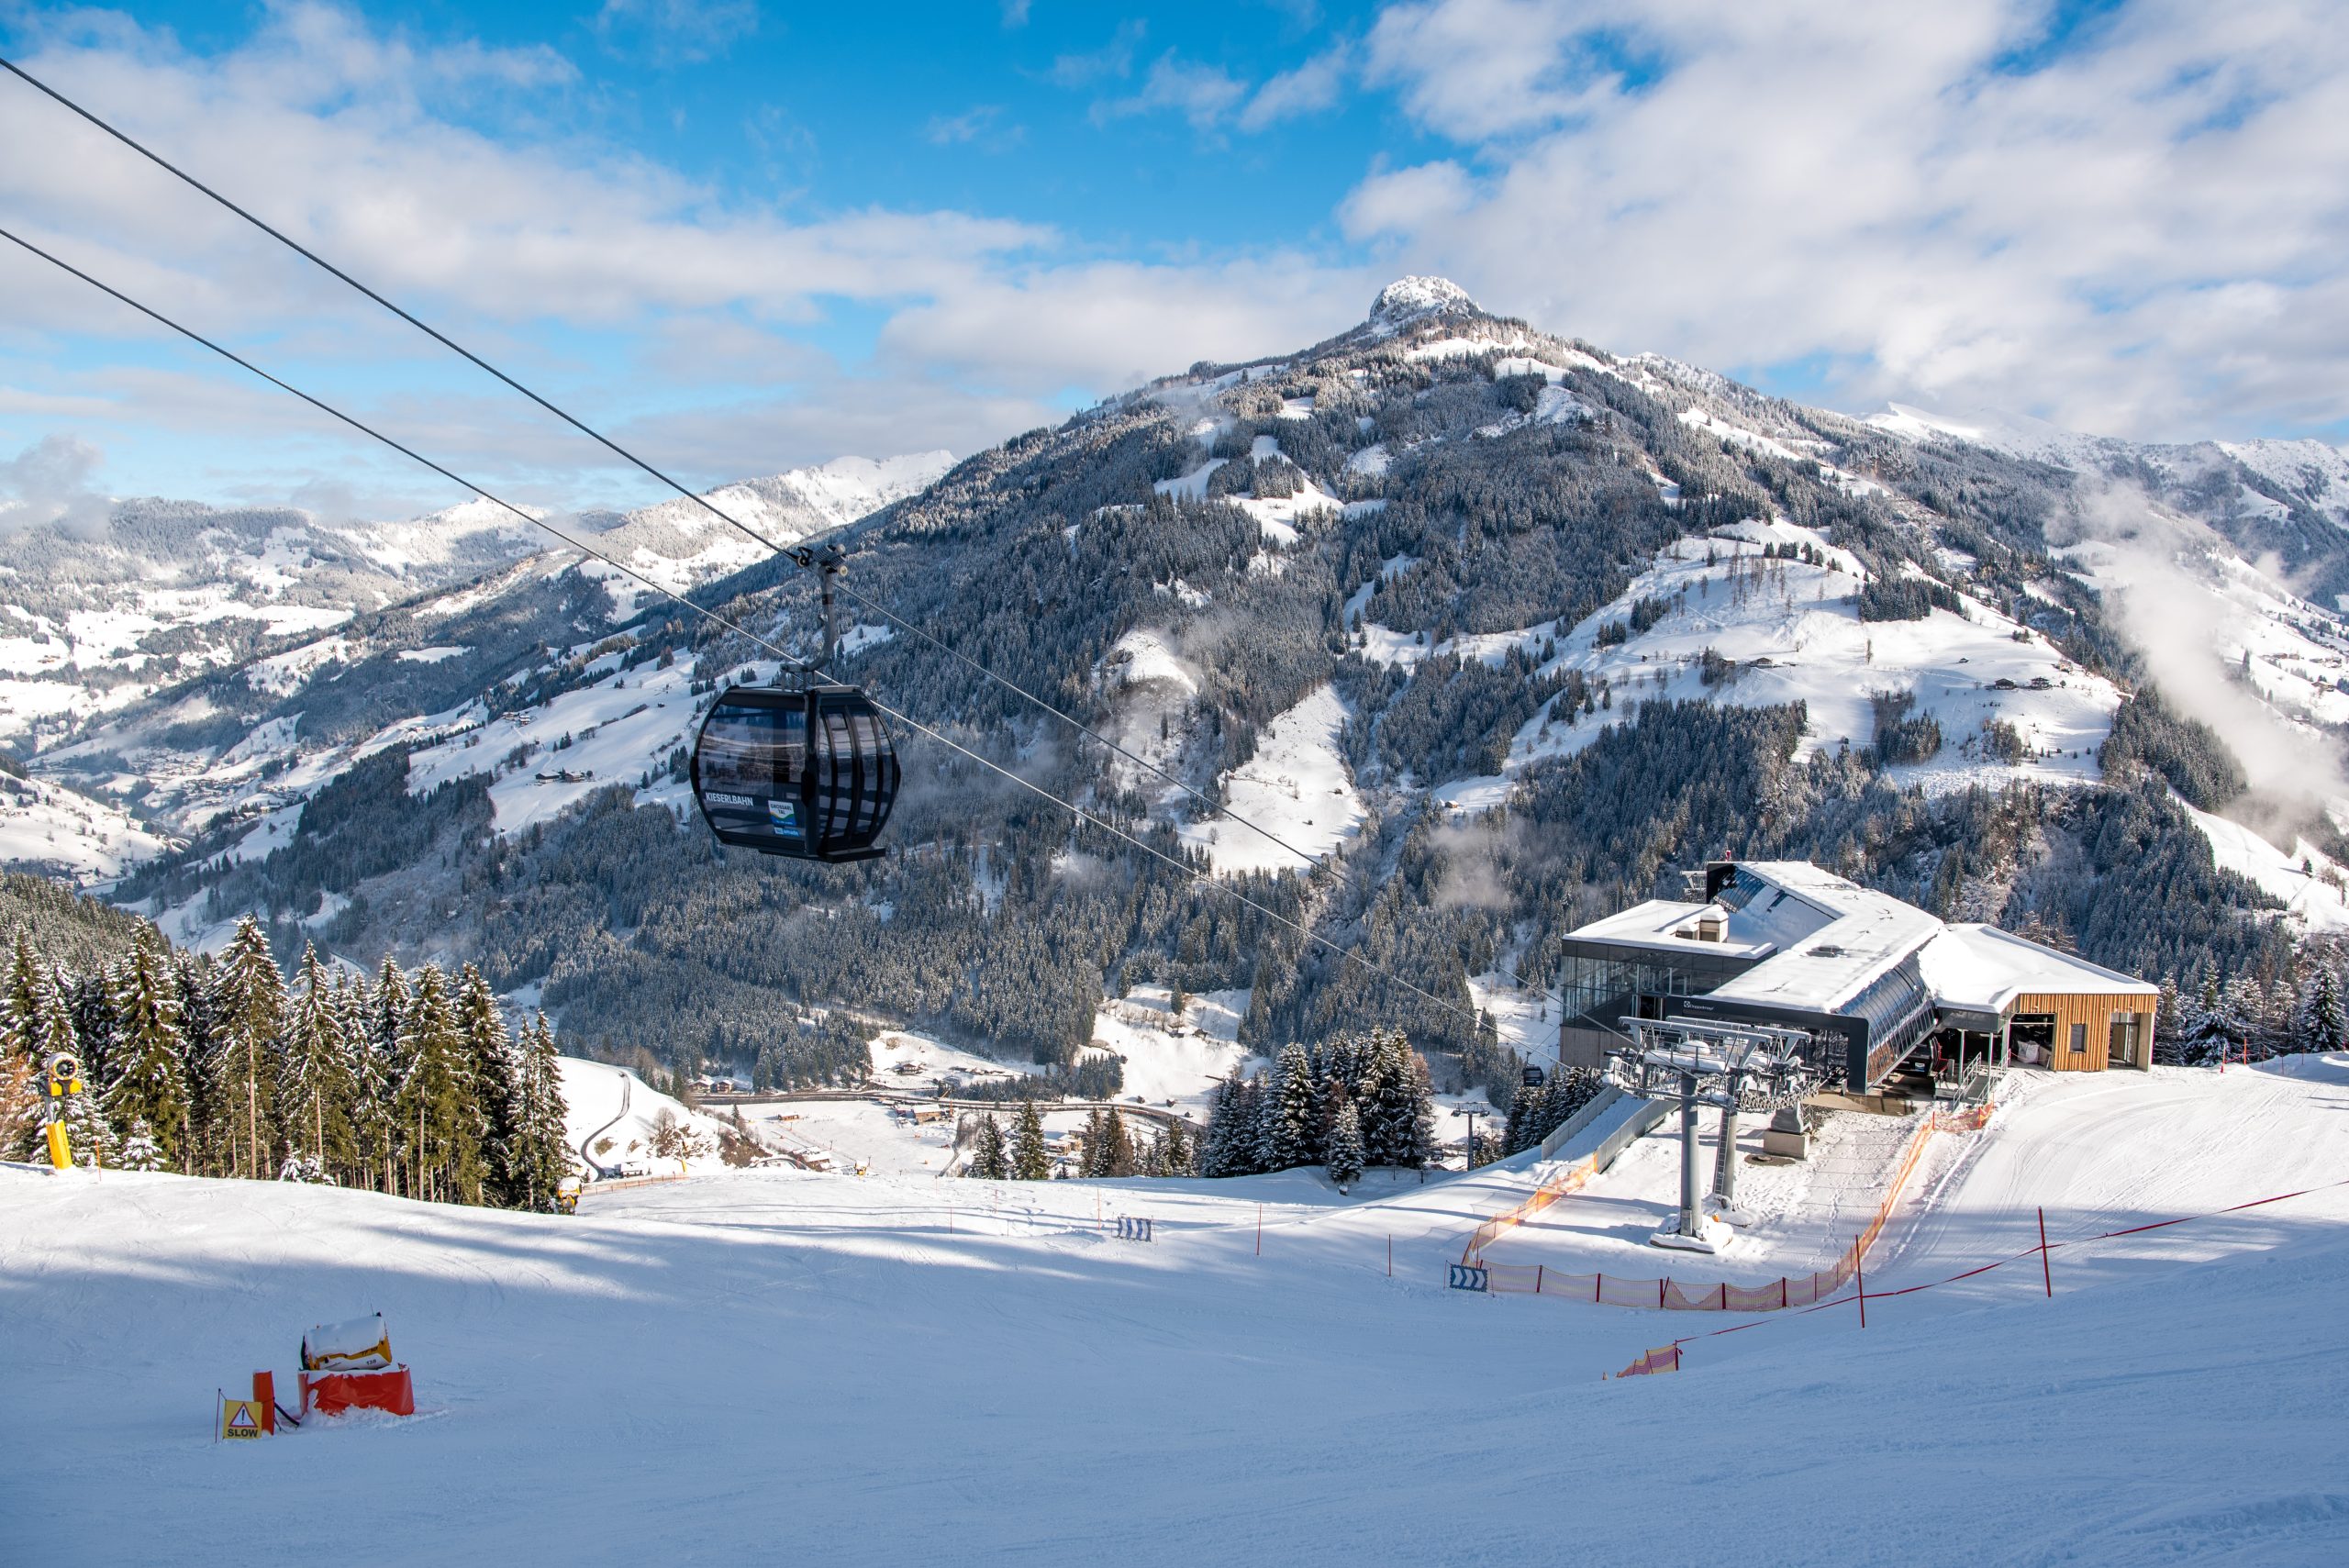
pixel 753 235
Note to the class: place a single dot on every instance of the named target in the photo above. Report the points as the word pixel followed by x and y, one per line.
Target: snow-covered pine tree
pixel 21 1084
pixel 2249 1002
pixel 1177 1155
pixel 20 1111
pixel 2169 1023
pixel 1345 1161
pixel 1288 1138
pixel 1092 1163
pixel 1214 1155
pixel 1029 1162
pixel 2215 1027
pixel 1255 1131
pixel 299 1166
pixel 1524 1106
pixel 1390 1115
pixel 370 1087
pixel 490 1049
pixel 17 993
pixel 1419 1123
pixel 386 1009
pixel 1116 1145
pixel 249 1014
pixel 90 999
pixel 989 1162
pixel 440 1126
pixel 150 1086
pixel 318 1080
pixel 2320 1018
pixel 539 1156
pixel 203 1152
pixel 140 1151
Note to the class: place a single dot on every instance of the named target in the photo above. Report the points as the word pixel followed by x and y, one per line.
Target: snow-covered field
pixel 605 1102
pixel 1296 788
pixel 48 826
pixel 894 1369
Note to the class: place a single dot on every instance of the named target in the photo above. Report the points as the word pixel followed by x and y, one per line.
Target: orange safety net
pixel 1664 1358
pixel 1678 1295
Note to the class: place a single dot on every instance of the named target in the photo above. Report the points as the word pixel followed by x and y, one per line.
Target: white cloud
pixel 2142 232
pixel 1202 95
pixel 48 482
pixel 1115 58
pixel 1308 89
pixel 671 32
pixel 1114 324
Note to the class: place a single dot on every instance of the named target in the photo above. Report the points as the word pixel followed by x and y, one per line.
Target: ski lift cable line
pixel 800 556
pixel 1080 812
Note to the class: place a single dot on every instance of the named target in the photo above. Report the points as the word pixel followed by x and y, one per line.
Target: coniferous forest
pixel 401 1082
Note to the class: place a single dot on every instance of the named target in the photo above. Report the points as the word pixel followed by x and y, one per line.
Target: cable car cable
pixel 1080 812
pixel 799 555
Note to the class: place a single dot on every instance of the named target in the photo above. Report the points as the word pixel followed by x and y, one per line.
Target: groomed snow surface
pixel 894 1369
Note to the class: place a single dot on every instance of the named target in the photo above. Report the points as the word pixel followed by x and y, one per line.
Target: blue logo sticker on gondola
pixel 784 817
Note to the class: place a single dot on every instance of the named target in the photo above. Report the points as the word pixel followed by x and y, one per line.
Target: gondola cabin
pixel 807 772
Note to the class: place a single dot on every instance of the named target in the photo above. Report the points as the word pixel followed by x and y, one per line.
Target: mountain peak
pixel 1408 299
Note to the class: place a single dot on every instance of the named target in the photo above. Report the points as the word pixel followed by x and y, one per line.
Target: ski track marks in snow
pixel 874 1366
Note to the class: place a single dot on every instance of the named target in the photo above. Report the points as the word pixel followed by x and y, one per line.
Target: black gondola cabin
pixel 808 772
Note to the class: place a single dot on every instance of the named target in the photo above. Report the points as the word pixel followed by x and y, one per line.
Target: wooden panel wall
pixel 2097 1013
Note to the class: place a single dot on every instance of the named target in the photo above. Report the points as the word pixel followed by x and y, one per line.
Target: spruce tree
pixel 1219 1151
pixel 19 994
pixel 249 1011
pixel 206 1146
pixel 1029 1162
pixel 2321 1018
pixel 23 1080
pixel 1523 1106
pixel 1095 1161
pixel 1289 1139
pixel 386 1015
pixel 540 1152
pixel 371 1087
pixel 438 1123
pixel 1117 1147
pixel 1345 1147
pixel 988 1161
pixel 1177 1155
pixel 490 1049
pixel 150 1087
pixel 140 1151
pixel 318 1081
pixel 90 999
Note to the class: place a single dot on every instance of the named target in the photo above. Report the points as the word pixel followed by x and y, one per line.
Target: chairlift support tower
pixel 1732 1067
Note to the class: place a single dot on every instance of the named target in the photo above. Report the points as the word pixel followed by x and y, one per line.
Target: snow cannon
pixel 566 1195
pixel 348 1366
pixel 64 1079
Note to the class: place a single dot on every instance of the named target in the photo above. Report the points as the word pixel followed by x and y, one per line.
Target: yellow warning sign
pixel 239 1418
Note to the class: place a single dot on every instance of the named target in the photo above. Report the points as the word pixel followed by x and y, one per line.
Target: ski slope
pixel 896 1369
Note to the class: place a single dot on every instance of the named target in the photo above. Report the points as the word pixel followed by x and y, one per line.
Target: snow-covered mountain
pixel 1442 604
pixel 114 649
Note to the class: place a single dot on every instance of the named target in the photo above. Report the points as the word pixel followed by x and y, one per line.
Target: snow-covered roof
pixel 1658 922
pixel 1985 969
pixel 1837 936
pixel 1823 938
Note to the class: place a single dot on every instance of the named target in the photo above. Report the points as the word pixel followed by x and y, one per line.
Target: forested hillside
pixel 1501 630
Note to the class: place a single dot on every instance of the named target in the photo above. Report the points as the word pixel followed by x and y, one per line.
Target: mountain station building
pixel 1785 943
